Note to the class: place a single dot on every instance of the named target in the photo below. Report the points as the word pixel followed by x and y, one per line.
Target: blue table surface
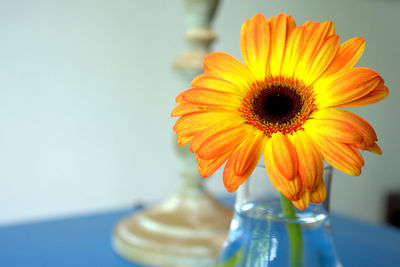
pixel 85 241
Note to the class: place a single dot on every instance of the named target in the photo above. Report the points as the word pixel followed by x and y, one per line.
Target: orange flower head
pixel 283 102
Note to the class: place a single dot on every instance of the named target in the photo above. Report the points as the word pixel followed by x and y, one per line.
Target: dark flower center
pixel 276 104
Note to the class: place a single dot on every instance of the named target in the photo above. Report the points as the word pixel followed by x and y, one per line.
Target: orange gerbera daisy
pixel 282 102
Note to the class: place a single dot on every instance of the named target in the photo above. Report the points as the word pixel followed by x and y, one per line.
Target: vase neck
pixel 258 187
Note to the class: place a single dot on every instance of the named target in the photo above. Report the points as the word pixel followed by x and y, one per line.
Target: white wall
pixel 86 90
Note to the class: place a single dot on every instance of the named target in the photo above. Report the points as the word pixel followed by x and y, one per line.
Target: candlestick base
pixel 188 229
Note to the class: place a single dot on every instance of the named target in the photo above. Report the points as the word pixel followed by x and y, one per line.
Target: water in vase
pixel 258 237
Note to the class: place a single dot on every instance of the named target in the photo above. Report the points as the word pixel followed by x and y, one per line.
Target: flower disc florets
pixel 278 105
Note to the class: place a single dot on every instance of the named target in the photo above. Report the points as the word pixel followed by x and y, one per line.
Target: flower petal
pixel 294 49
pixel 206 167
pixel 345 86
pixel 219 142
pixel 321 59
pixel 247 151
pixel 325 29
pixel 225 67
pixel 183 140
pixel 303 202
pixel 291 189
pixel 334 128
pixel 187 108
pixel 194 123
pixel 201 96
pixel 317 36
pixel 356 126
pixel 283 155
pixel 374 149
pixel 376 95
pixel 347 56
pixel 208 81
pixel 311 165
pixel 342 156
pixel 254 45
pixel 231 179
pixel 280 27
pixel 319 194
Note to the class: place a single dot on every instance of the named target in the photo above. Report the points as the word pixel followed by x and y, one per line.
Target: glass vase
pixel 259 235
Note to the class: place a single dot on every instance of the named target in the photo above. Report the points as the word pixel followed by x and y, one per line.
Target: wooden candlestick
pixel 188 228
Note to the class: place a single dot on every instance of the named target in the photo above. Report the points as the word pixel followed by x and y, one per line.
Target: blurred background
pixel 86 90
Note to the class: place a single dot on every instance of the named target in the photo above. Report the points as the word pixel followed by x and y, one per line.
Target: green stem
pixel 294 233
